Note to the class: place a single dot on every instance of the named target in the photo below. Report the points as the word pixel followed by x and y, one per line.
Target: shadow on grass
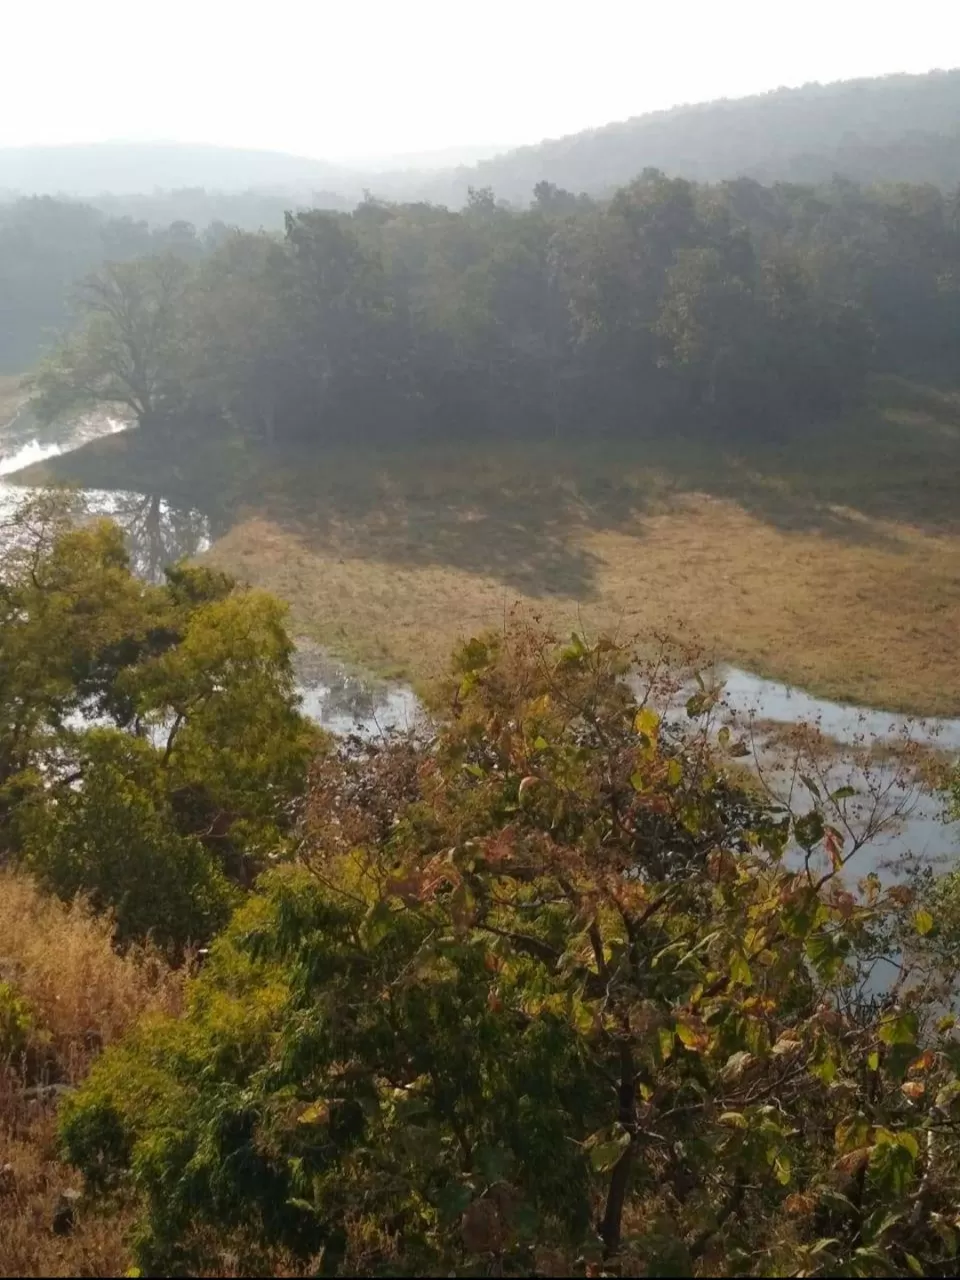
pixel 518 511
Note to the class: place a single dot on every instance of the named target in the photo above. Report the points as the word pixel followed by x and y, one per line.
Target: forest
pixel 731 304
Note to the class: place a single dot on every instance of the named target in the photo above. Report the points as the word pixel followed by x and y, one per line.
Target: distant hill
pixel 124 168
pixel 890 129
pixel 900 128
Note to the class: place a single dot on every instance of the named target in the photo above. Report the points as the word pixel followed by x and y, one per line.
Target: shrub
pixel 548 981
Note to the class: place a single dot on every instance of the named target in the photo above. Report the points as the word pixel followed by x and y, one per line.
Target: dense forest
pixel 725 303
pixel 47 247
pixel 883 132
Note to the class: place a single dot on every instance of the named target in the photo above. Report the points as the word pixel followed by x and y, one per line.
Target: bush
pixel 151 751
pixel 16 1023
pixel 72 993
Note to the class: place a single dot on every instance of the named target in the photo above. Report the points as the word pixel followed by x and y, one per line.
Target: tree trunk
pixel 611 1226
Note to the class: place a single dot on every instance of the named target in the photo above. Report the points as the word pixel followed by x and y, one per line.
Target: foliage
pixel 16 1023
pixel 734 306
pixel 549 989
pixel 47 246
pixel 128 351
pixel 150 745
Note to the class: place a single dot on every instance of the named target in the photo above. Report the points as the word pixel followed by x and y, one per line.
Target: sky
pixel 356 81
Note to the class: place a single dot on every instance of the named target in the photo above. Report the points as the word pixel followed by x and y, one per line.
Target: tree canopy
pixel 149 737
pixel 732 305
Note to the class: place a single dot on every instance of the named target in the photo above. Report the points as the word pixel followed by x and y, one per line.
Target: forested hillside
pixel 893 129
pixel 736 304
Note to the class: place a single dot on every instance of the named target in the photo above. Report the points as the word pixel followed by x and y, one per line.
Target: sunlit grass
pixel 829 558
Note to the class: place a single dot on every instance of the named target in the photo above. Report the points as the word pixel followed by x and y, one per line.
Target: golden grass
pixel 872 621
pixel 81 995
pixel 828 556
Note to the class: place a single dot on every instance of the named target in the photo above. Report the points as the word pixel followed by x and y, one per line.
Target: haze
pixel 366 83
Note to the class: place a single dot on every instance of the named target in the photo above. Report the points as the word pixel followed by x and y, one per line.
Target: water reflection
pixel 158 533
pixel 346 703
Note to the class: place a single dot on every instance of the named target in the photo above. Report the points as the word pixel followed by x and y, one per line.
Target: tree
pixel 552 990
pixel 129 349
pixel 150 745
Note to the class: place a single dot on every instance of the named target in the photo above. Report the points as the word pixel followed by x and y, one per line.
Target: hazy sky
pixel 346 80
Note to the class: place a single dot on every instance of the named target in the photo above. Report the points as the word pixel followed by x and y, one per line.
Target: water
pixel 344 702
pixel 747 694
pixel 158 533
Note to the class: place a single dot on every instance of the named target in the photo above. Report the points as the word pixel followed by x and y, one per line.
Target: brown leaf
pixel 853 1161
pixel 798 1204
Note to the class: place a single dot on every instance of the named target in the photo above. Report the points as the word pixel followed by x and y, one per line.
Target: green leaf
pixel 843 793
pixel 909 1141
pixel 606 1147
pixel 316 1113
pixel 913 1264
pixel 674 773
pixel 647 722
pixel 666 1036
pixel 873 1061
pixel 923 922
pixel 376 923
pixel 474 769
pixel 900 1029
pixel 782 1168
pixel 948 1095
pixel 740 970
pixel 808 830
pixel 734 1120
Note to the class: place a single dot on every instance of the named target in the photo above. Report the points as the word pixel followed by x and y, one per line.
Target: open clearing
pixel 804 559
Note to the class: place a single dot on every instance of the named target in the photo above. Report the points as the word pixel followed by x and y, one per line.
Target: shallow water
pixel 158 532
pixel 749 695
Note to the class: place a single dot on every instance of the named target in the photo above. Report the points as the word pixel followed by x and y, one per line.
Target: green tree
pixel 550 991
pixel 128 350
pixel 150 745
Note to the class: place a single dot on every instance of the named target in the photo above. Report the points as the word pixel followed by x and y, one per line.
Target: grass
pixel 81 995
pixel 829 559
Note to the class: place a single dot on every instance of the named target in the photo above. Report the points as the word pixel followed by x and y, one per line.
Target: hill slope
pixel 891 129
pixel 126 167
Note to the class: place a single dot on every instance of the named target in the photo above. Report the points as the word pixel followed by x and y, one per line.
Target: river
pixel 345 702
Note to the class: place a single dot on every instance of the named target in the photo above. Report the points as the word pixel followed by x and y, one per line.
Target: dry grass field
pixel 829 558
pixel 74 995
